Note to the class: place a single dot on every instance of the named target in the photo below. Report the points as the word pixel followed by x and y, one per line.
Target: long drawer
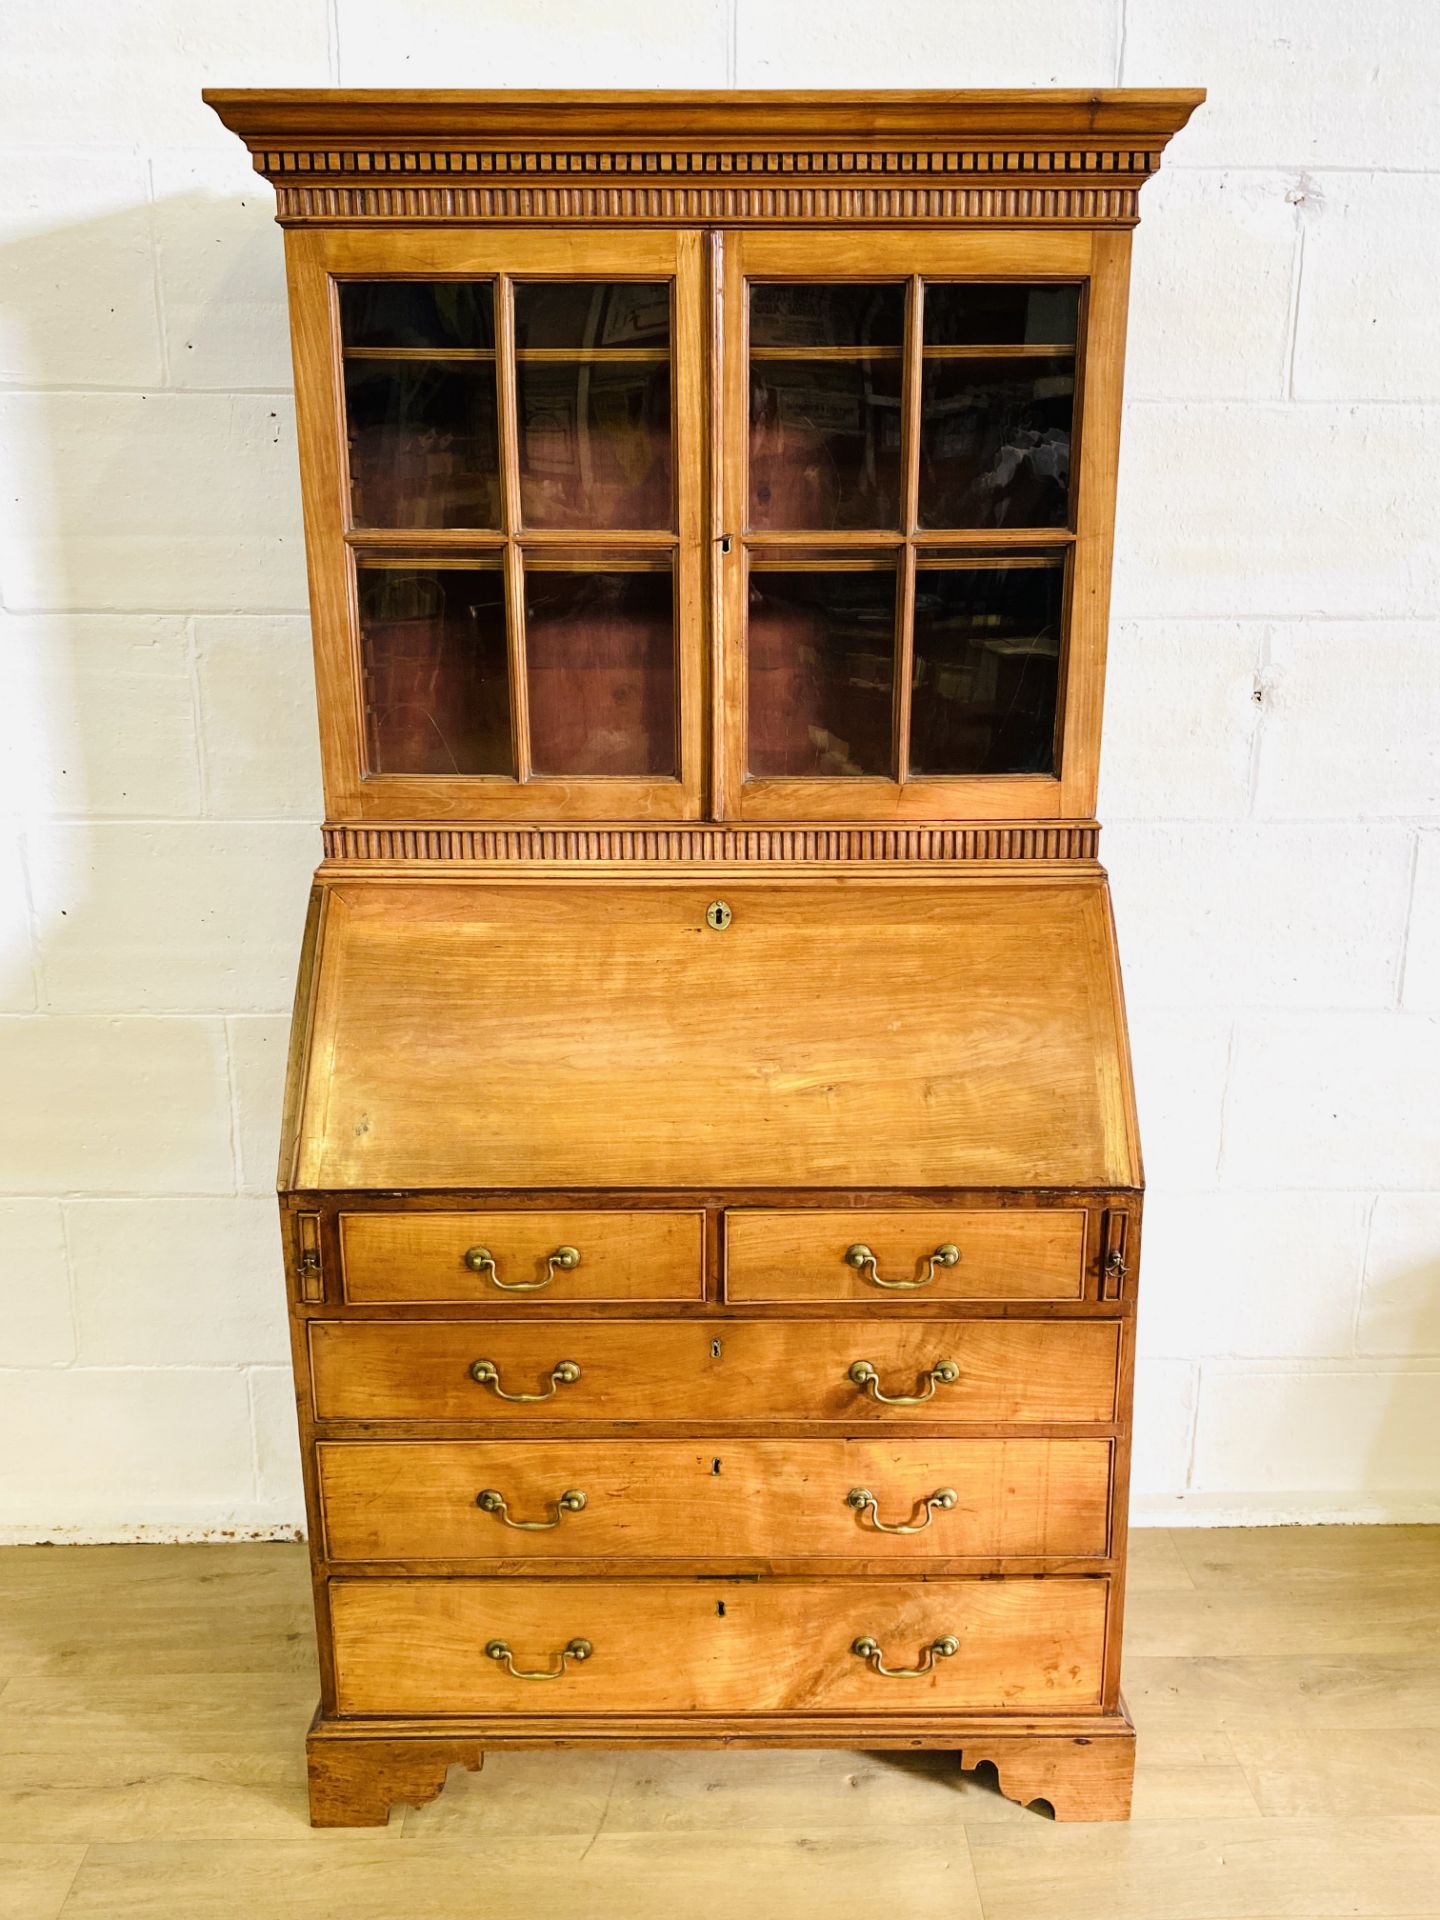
pixel 715 1370
pixel 520 1255
pixel 905 1253
pixel 653 1646
pixel 564 1499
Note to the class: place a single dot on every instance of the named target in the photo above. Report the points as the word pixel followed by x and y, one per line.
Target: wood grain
pixel 415 1646
pixel 772 1254
pixel 623 1256
pixel 488 1034
pixel 1021 1371
pixel 761 1499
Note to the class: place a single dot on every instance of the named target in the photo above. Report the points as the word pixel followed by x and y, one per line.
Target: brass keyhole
pixel 718 915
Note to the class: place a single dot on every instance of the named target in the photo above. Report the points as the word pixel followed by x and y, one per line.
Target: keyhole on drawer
pixel 714 1466
pixel 714 1349
pixel 720 1609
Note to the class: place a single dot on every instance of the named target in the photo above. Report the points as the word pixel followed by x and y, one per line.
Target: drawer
pixel 567 1255
pixel 760 1499
pixel 665 1646
pixel 715 1370
pixel 905 1253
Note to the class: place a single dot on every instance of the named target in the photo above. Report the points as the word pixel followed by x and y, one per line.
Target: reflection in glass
pixel 987 658
pixel 600 665
pixel 995 442
pixel 824 443
pixel 970 313
pixel 830 314
pixel 417 313
pixel 821 669
pixel 432 644
pixel 423 449
pixel 592 313
pixel 594 443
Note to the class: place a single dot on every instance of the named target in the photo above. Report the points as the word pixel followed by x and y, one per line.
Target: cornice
pixel 337 157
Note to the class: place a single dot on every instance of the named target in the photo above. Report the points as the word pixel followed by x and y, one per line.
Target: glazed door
pixel 917 482
pixel 501 450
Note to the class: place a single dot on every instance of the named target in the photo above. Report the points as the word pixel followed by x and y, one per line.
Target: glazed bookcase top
pixel 708 465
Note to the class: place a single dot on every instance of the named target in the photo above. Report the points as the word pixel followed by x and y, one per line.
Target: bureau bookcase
pixel 710 1183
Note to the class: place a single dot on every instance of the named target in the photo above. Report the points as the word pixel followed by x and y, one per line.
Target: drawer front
pixel 907 1253
pixel 715 1370
pixel 761 1499
pixel 664 1646
pixel 523 1257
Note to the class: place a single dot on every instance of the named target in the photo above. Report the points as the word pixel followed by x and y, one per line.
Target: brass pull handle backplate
pixel 491 1501
pixel 869 1650
pixel 860 1257
pixel 564 1373
pixel 862 1499
pixel 562 1260
pixel 944 1373
pixel 499 1650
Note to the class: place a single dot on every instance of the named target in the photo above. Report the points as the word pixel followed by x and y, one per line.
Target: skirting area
pixel 1285 1683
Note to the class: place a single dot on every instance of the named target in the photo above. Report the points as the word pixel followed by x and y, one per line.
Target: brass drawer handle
pixel 564 1373
pixel 942 1500
pixel 562 1260
pixel 491 1501
pixel 868 1649
pixel 576 1650
pixel 860 1257
pixel 944 1373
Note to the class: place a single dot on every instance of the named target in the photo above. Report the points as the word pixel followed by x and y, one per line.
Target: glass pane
pixel 833 314
pixel 824 443
pixel 600 663
pixel 995 441
pixel 592 313
pixel 965 313
pixel 987 660
pixel 821 668
pixel 417 313
pixel 437 691
pixel 595 443
pixel 423 446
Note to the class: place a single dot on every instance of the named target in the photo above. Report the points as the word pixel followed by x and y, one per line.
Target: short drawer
pixel 524 1256
pixel 905 1253
pixel 951 1371
pixel 662 1646
pixel 887 1500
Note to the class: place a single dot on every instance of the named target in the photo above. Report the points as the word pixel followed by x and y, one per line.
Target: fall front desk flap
pixel 711 1032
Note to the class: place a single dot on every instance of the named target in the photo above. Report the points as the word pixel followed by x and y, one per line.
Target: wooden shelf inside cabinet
pixel 709 1054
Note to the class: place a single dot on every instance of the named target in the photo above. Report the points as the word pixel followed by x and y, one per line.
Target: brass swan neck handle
pixel 562 1260
pixel 944 1373
pixel 863 1260
pixel 491 1500
pixel 499 1650
pixel 863 1501
pixel 485 1373
pixel 869 1650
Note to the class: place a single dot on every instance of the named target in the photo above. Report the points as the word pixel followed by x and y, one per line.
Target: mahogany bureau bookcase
pixel 710 1182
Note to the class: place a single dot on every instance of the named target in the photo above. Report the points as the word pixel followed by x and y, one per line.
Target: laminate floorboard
pixel 1285 1683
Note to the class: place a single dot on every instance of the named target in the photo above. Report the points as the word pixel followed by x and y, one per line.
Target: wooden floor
pixel 1286 1685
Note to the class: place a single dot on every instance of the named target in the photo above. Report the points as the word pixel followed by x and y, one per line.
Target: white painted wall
pixel 1272 778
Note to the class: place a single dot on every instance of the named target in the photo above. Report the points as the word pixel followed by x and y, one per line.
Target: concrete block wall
pixel 1272 776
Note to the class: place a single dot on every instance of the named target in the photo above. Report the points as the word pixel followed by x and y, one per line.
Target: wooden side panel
pixel 417 1646
pixel 754 1499
pixel 622 1256
pixel 795 1254
pixel 557 1033
pixel 714 1370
